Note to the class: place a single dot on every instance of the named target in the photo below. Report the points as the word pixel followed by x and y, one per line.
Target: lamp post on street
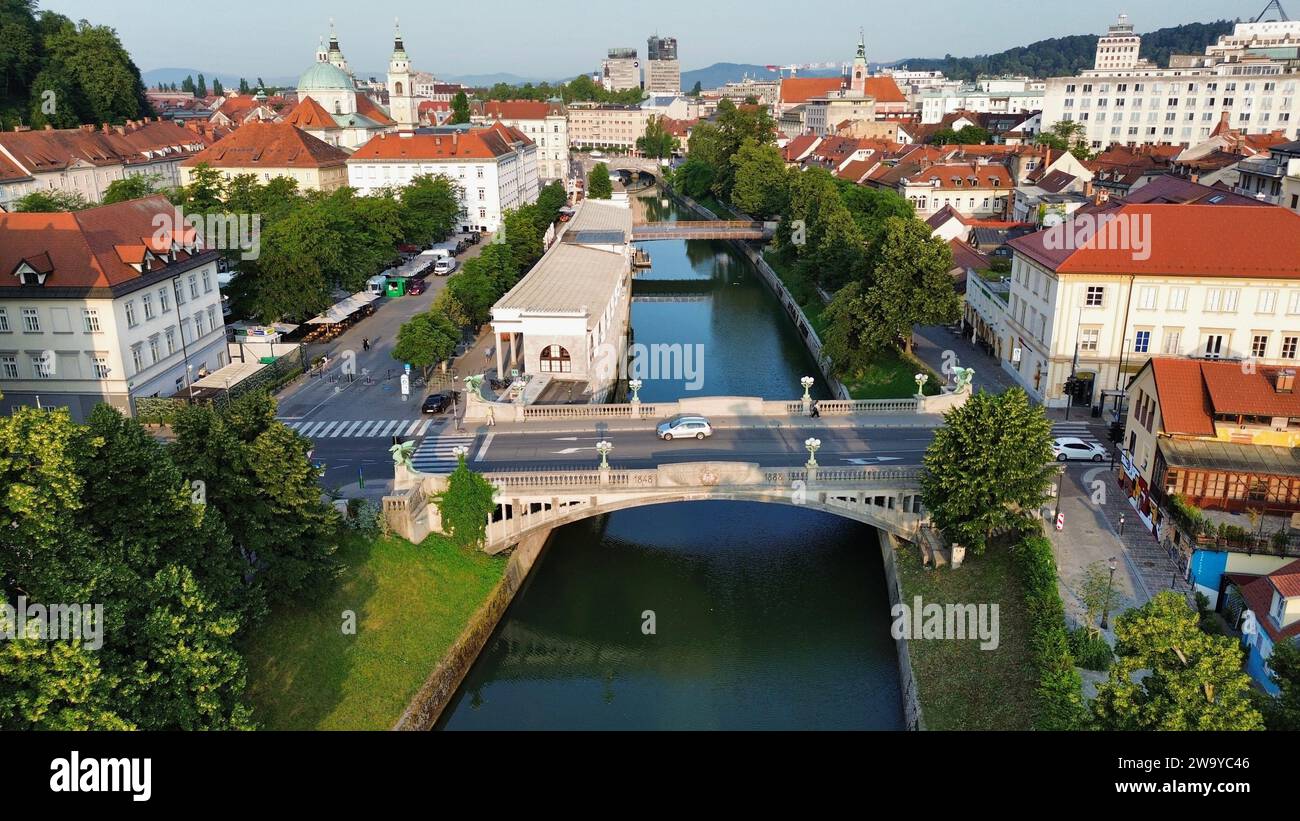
pixel 813 445
pixel 604 448
pixel 1110 588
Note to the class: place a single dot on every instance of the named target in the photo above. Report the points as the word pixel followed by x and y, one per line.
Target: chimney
pixel 1087 189
pixel 106 128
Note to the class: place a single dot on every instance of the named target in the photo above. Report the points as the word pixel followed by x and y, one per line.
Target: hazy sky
pixel 560 38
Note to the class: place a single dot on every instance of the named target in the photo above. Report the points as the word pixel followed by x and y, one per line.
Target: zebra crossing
pixel 1077 430
pixel 361 429
pixel 438 454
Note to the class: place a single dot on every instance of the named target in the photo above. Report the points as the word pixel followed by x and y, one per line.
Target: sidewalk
pixel 931 343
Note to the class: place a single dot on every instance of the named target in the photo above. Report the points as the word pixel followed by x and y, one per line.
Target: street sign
pixel 1060 521
pixel 408 367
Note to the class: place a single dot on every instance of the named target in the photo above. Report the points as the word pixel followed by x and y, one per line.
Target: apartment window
pixel 170 335
pixel 180 295
pixel 164 303
pixel 479 169
pixel 4 320
pixel 1267 302
pixel 1259 346
pixel 154 354
pixel 212 317
pixel 42 367
pixel 194 287
pixel 1173 342
pixel 1147 298
pixel 31 321
pixel 9 366
pixel 137 357
pixel 482 194
pixel 1142 342
pixel 1095 297
pixel 207 282
pixel 99 364
pixel 1213 346
pixel 1221 300
pixel 90 318
pixel 1089 339
pixel 198 325
pixel 130 314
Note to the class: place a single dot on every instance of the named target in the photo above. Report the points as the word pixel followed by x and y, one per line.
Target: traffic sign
pixel 1060 521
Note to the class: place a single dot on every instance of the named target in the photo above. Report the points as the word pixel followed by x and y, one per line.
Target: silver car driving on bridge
pixel 685 427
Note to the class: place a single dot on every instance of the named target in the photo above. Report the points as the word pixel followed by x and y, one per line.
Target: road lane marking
pixel 482 451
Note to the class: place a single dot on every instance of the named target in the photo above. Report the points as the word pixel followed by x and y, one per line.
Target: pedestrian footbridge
pixel 531 504
pixel 704 229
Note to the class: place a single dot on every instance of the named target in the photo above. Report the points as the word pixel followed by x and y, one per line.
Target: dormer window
pixel 34 270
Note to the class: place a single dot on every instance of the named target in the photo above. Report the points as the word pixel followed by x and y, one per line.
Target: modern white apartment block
pixel 1247 74
pixel 495 168
pixel 105 305
pixel 621 70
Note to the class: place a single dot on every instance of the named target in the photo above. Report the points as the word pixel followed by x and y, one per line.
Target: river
pixel 705 615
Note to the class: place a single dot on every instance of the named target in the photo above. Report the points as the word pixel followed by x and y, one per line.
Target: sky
pixel 561 38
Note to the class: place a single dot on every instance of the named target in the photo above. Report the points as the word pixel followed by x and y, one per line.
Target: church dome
pixel 325 77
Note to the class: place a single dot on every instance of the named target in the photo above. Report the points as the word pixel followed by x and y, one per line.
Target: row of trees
pixel 864 244
pixel 313 243
pixel 57 72
pixel 987 471
pixel 431 337
pixel 186 547
pixel 711 169
pixel 580 89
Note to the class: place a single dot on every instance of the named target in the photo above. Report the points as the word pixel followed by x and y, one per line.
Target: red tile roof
pixel 1183 240
pixel 93 248
pixel 270 145
pixel 485 144
pixel 369 109
pixel 137 143
pixel 310 115
pixel 1184 403
pixel 965 256
pixel 798 148
pixel 1287 579
pixel 963 176
pixel 803 89
pixel 517 109
pixel 1259 598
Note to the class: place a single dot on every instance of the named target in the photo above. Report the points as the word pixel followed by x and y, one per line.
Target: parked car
pixel 1070 448
pixel 685 427
pixel 443 267
pixel 436 402
pixel 416 287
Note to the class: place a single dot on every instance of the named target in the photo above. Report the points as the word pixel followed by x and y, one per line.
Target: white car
pixel 685 427
pixel 1070 448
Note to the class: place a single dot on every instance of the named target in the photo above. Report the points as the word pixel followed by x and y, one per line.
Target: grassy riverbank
pixel 411 602
pixel 962 687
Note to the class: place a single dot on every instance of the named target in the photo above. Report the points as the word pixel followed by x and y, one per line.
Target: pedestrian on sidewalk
pixel 816 412
pixel 492 418
pixel 365 344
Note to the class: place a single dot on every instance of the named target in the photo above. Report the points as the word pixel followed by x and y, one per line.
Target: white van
pixel 376 284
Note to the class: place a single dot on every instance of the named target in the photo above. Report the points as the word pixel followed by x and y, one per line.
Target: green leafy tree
pixel 1067 135
pixel 243 87
pixel 201 87
pixel 988 467
pixel 1098 595
pixel 599 186
pixel 131 188
pixel 218 90
pixel 1283 713
pixel 694 178
pixel 51 201
pixel 54 686
pixel 872 207
pixel 657 143
pixel 430 208
pixel 425 340
pixel 911 284
pixel 761 187
pixel 476 293
pixel 696 89
pixel 522 236
pixel 465 506
pixel 257 475
pixel 550 200
pixel 206 192
pixel 460 108
pixel 189 675
pixel 1195 680
pixel 106 84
